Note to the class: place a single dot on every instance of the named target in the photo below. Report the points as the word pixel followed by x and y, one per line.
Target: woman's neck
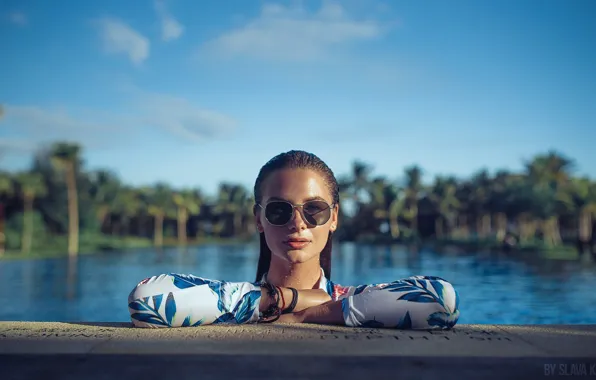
pixel 296 275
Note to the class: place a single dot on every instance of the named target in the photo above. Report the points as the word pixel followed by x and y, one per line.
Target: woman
pixel 296 213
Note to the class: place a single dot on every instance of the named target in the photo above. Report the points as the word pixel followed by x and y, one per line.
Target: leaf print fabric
pixel 183 300
pixel 416 302
pixel 192 301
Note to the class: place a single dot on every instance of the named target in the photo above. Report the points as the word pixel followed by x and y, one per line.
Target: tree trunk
pixel 501 222
pixel 158 233
pixel 550 231
pixel 393 219
pixel 73 210
pixel 182 219
pixel 27 223
pixel 585 227
pixel 556 231
pixel 394 228
pixel 414 221
pixel 527 227
pixel 102 213
pixel 486 225
pixel 464 228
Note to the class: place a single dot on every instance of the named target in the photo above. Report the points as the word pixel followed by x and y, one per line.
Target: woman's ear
pixel 257 215
pixel 334 218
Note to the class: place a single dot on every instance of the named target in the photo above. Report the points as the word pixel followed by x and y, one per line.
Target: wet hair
pixel 294 159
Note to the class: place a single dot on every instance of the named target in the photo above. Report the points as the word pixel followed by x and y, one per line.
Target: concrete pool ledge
pixel 308 351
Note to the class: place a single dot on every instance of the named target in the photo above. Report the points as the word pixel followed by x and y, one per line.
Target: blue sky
pixel 197 92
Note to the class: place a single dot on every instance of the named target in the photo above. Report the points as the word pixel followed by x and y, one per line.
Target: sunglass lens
pixel 278 213
pixel 317 212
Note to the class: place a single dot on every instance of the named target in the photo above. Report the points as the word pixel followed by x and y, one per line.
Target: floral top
pixel 181 300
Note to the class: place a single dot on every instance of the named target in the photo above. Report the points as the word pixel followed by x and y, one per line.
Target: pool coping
pixel 111 350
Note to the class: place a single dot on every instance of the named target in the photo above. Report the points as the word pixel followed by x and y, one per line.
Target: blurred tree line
pixel 58 205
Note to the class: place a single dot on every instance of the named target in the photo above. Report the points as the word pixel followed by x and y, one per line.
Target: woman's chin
pixel 297 256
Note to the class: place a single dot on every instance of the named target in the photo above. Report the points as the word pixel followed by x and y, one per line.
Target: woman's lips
pixel 297 243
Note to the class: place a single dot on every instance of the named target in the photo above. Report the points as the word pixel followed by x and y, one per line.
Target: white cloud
pixel 20 145
pixel 35 125
pixel 29 126
pixel 120 38
pixel 292 33
pixel 171 29
pixel 18 18
pixel 183 119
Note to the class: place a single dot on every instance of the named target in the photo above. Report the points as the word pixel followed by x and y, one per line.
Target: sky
pixel 194 93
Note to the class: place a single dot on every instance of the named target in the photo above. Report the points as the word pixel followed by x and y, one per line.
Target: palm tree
pixel 65 156
pixel 359 184
pixel 464 194
pixel 549 175
pixel 503 190
pixel 6 189
pixel 188 202
pixel 445 203
pixel 31 185
pixel 413 189
pixel 583 200
pixel 104 190
pixel 513 195
pixel 387 203
pixel 127 204
pixel 479 202
pixel 161 205
pixel 232 204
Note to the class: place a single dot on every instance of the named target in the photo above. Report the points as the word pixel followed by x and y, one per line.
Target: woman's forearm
pixel 329 313
pixel 307 298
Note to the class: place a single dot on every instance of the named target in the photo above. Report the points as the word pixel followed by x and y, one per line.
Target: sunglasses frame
pixel 300 208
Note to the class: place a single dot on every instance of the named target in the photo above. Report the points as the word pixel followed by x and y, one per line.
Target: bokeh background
pixel 462 135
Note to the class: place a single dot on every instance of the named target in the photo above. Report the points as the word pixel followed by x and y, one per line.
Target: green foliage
pixel 14 229
pixel 541 206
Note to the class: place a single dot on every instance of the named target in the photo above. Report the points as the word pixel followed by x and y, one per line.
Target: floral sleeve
pixel 178 300
pixel 416 302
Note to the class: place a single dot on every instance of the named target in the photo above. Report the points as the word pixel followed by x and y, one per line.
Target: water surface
pixel 494 288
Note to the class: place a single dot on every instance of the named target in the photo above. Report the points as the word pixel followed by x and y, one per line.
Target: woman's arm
pixel 329 313
pixel 307 298
pixel 177 300
pixel 417 302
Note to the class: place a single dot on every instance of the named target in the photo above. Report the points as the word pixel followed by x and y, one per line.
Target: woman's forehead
pixel 295 185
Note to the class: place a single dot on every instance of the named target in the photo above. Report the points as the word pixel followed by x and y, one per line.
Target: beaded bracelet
pixel 273 309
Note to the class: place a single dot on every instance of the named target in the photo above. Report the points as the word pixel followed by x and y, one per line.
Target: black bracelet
pixel 294 301
pixel 273 309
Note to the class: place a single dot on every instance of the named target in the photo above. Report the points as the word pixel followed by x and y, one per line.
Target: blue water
pixel 494 288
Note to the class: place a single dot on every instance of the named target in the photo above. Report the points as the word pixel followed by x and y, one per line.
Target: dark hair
pixel 295 159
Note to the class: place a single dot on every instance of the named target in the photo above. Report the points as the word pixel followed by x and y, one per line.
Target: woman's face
pixel 295 186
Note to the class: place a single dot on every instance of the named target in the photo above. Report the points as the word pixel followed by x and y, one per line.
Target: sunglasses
pixel 314 213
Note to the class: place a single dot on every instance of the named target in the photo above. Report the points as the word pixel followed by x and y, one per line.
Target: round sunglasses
pixel 314 213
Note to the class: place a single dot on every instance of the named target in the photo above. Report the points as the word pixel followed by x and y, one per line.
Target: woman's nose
pixel 297 221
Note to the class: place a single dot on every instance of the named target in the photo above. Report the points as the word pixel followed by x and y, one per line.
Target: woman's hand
pixel 329 313
pixel 291 318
